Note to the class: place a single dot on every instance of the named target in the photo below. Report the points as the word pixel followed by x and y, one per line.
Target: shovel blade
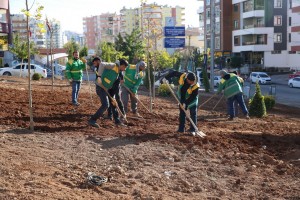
pixel 199 133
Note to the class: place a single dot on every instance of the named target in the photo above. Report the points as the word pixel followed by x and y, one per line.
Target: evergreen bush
pixel 36 76
pixel 205 80
pixel 269 102
pixel 257 104
pixel 163 90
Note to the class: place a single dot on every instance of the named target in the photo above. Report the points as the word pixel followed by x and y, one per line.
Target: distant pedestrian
pixel 74 73
pixel 232 86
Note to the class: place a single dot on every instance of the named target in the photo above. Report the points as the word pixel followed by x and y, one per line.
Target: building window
pixel 277 20
pixel 278 4
pixel 292 52
pixel 290 37
pixel 217 42
pixel 276 52
pixel 236 41
pixel 207 2
pixel 277 37
pixel 207 13
pixel 236 24
pixel 217 27
pixel 218 11
pixel 236 7
pixel 290 21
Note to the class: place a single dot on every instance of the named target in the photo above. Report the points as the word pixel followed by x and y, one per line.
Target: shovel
pixel 197 132
pixel 213 110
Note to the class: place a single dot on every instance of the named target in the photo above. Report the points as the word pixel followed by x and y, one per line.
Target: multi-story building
pixel 56 34
pixel 69 35
pixel 5 30
pixel 19 26
pixel 263 32
pixel 222 26
pixel 260 32
pixel 150 20
pixel 293 34
pixel 104 27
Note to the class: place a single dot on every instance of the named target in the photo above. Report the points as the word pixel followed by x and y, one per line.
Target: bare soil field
pixel 148 159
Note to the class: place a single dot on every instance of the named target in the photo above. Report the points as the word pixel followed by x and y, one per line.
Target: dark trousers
pixel 115 92
pixel 104 105
pixel 75 90
pixel 238 98
pixel 182 116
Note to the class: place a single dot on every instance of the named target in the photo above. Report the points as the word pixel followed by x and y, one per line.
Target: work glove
pixel 165 81
pixel 114 103
pixel 83 60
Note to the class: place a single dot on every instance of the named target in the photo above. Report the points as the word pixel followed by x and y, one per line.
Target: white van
pixel 260 77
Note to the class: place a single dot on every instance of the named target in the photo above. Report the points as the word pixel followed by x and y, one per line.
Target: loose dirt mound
pixel 243 159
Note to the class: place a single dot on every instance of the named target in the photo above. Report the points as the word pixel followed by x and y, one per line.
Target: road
pixel 283 94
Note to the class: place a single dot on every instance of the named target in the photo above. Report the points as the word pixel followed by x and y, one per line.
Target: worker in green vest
pixel 106 75
pixel 74 73
pixel 133 76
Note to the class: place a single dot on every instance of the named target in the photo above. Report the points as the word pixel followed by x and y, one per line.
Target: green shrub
pixel 163 90
pixel 36 76
pixel 205 81
pixel 257 104
pixel 269 102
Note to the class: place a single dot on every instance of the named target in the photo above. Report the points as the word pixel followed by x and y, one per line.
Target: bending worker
pixel 133 77
pixel 106 76
pixel 188 96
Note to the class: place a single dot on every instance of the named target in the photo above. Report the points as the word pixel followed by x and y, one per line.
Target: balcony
pixel 253 26
pixel 253 43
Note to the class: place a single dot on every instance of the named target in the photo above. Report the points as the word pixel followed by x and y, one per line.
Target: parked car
pixel 217 80
pixel 295 74
pixel 15 70
pixel 294 82
pixel 260 77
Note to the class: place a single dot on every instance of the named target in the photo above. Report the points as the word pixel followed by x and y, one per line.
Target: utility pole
pixel 212 43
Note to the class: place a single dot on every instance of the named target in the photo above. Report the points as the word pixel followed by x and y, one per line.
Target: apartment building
pixel 19 26
pixel 5 30
pixel 222 26
pixel 57 38
pixel 104 27
pixel 294 34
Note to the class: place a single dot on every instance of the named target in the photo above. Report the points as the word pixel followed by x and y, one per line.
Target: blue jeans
pixel 240 100
pixel 75 90
pixel 104 105
pixel 182 116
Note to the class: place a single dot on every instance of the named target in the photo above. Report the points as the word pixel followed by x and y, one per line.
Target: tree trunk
pixel 29 75
pixel 21 67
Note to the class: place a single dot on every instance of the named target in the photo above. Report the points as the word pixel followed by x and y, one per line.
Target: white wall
pixel 276 60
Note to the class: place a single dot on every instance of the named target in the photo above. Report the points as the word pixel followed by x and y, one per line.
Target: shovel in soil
pixel 197 132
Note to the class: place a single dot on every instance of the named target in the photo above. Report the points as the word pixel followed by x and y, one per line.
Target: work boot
pixel 76 104
pixel 93 123
pixel 136 114
pixel 247 116
pixel 120 124
pixel 230 118
pixel 123 118
pixel 107 117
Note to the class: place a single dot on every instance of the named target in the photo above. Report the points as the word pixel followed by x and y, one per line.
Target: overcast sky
pixel 71 12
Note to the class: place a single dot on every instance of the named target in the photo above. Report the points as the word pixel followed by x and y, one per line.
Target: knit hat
pixel 191 76
pixel 223 73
